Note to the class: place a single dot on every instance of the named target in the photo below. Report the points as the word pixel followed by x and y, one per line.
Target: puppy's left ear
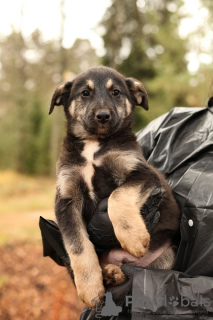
pixel 60 96
pixel 138 92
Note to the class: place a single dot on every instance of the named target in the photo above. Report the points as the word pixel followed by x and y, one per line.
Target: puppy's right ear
pixel 60 96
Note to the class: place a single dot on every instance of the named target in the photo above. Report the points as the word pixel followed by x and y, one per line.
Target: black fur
pixel 104 91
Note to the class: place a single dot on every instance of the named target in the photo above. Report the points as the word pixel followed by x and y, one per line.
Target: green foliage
pixel 30 71
pixel 142 41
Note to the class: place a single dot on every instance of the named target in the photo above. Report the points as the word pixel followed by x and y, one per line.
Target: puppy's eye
pixel 85 93
pixel 116 93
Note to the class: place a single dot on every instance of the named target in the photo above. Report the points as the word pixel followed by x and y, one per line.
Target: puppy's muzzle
pixel 102 116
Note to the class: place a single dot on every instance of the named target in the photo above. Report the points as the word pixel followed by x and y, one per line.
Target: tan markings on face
pixel 102 131
pixel 79 108
pixel 87 171
pixel 72 108
pixel 124 207
pixel 128 107
pixel 109 84
pixel 90 84
pixel 120 110
pixel 78 129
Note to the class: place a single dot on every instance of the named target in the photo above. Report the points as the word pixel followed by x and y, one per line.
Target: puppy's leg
pixel 124 212
pixel 84 261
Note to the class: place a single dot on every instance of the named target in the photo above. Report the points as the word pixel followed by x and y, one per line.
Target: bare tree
pixel 56 127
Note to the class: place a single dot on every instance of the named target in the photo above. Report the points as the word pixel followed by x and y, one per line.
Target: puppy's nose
pixel 102 116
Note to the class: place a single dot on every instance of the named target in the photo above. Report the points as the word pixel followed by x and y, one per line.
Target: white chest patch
pixel 87 171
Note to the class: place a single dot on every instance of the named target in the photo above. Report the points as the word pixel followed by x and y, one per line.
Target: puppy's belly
pixel 160 258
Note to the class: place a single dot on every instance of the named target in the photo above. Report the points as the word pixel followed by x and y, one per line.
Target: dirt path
pixel 33 287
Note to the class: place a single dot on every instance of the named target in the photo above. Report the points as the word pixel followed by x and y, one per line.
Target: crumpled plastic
pixel 180 144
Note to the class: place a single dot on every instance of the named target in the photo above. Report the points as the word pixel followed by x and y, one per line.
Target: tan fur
pixel 90 147
pixel 165 261
pixel 121 163
pixel 58 100
pixel 124 212
pixel 90 84
pixel 137 84
pixel 67 182
pixel 109 84
pixel 139 92
pixel 72 108
pixel 101 131
pixel 87 271
pixel 128 107
pixel 79 111
pixel 68 176
pixel 126 159
pixel 120 110
pixel 87 171
pixel 139 98
pixel 113 276
pixel 79 130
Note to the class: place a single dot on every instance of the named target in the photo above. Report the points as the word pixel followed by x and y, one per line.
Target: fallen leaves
pixel 33 287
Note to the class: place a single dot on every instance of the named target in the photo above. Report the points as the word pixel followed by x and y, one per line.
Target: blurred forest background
pixel 142 39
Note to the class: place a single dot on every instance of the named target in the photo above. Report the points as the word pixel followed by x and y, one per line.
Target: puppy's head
pixel 99 102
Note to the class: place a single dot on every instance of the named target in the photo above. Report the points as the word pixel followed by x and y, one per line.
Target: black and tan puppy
pixel 100 158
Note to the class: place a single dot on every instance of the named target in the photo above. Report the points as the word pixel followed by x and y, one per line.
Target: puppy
pixel 100 158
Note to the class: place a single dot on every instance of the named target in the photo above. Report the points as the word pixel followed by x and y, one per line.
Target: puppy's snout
pixel 102 116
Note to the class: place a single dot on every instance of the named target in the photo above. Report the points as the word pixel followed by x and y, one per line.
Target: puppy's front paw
pixel 91 293
pixel 134 239
pixel 113 276
pixel 124 212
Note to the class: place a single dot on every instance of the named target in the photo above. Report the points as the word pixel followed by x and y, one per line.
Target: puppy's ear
pixel 138 92
pixel 60 96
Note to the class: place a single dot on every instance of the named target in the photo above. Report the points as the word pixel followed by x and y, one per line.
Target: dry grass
pixel 31 286
pixel 22 200
pixel 21 193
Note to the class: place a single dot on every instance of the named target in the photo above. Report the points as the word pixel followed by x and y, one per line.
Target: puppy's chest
pixel 88 168
pixel 106 168
pixel 100 172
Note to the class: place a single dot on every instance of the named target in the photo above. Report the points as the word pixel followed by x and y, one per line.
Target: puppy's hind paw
pixel 113 276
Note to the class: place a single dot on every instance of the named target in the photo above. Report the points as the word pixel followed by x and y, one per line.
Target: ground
pixel 32 287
